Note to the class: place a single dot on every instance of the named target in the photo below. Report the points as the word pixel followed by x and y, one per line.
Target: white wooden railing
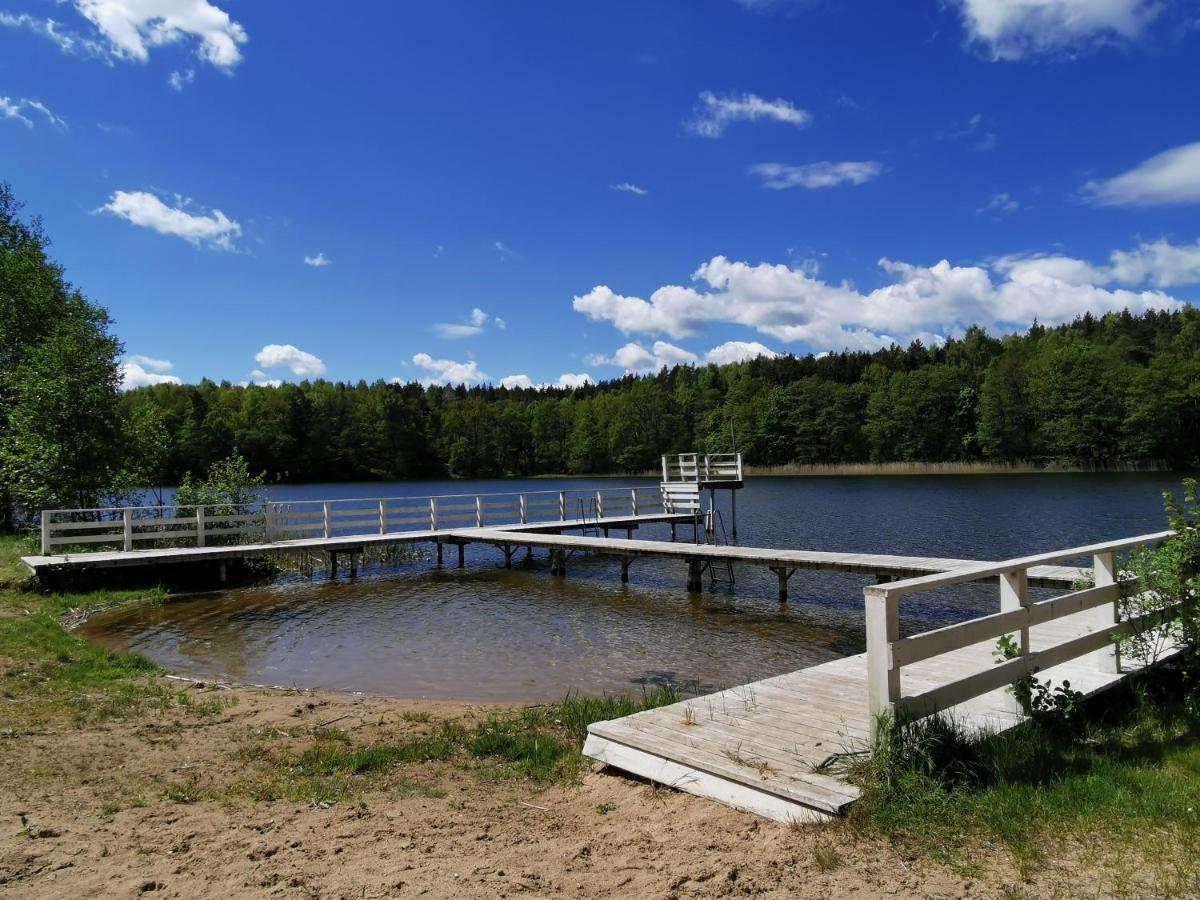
pixel 888 653
pixel 702 467
pixel 136 527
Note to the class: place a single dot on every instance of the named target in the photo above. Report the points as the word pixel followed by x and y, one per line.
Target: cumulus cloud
pixel 472 325
pixel 132 27
pixel 926 302
pixel 149 362
pixel 1016 29
pixel 738 351
pixel 778 176
pixel 448 371
pixel 633 357
pixel 19 110
pixel 1171 177
pixel 317 262
pixel 567 380
pixel 67 41
pixel 714 114
pixel 628 188
pixel 147 210
pixel 134 375
pixel 300 362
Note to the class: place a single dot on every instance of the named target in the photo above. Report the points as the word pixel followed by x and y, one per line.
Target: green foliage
pixel 1051 706
pixel 61 440
pixel 1164 592
pixel 228 488
pixel 1133 782
pixel 1121 388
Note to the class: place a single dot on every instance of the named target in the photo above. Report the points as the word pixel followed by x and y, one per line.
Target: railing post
pixel 199 526
pixel 524 516
pixel 328 519
pixel 599 504
pixel 633 507
pixel 268 521
pixel 433 513
pixel 1014 594
pixel 45 532
pixel 478 511
pixel 383 517
pixel 666 477
pixel 883 681
pixel 1104 572
pixel 127 522
pixel 562 506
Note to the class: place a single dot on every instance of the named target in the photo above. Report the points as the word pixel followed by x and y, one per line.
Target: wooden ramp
pixel 761 747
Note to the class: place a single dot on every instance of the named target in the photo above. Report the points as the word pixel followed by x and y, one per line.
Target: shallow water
pixel 484 633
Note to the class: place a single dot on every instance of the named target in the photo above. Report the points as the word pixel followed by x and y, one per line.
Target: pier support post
pixel 1104 571
pixel 695 583
pixel 883 681
pixel 353 564
pixel 332 555
pixel 509 550
pixel 625 561
pixel 558 563
pixel 733 513
pixel 462 555
pixel 629 534
pixel 439 554
pixel 784 575
pixel 672 532
pixel 222 571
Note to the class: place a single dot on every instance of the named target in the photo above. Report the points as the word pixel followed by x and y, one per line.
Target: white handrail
pixel 888 653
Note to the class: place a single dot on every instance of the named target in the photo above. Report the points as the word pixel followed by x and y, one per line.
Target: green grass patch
pixel 1132 772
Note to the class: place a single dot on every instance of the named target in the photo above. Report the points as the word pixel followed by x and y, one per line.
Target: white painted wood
pixel 883 681
pixel 199 526
pixel 127 528
pixel 328 517
pixel 1104 572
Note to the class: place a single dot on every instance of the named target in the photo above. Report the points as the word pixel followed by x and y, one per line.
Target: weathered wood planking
pixel 878 564
pixel 756 746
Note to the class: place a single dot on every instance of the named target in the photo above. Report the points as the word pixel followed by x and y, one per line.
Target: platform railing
pixel 142 527
pixel 702 467
pixel 888 653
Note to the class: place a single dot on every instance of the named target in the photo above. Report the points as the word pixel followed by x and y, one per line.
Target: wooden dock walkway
pixel 766 747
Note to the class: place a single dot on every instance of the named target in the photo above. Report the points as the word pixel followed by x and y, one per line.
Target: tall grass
pixel 1133 774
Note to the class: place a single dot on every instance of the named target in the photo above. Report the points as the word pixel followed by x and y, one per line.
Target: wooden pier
pixel 778 747
pixel 770 747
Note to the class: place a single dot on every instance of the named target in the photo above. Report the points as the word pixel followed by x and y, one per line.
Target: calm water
pixel 484 633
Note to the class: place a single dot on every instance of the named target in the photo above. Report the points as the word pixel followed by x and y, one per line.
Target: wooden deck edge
pixel 701 784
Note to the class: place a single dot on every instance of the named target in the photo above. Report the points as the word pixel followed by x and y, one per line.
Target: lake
pixel 487 634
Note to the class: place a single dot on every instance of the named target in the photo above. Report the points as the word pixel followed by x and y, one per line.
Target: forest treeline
pixel 1121 388
pixel 1097 390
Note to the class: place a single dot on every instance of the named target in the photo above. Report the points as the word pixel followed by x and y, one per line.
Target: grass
pixel 1129 782
pixel 51 675
pixel 536 744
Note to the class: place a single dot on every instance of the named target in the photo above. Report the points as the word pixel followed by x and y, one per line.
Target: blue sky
pixel 540 191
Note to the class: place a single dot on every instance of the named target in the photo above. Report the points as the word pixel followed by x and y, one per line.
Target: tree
pixel 62 442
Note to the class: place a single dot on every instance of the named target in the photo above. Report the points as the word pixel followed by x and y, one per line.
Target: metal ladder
pixel 718 572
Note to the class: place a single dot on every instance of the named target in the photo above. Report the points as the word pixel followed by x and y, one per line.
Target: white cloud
pixel 67 41
pixel 505 251
pixel 633 357
pixel 1001 204
pixel 17 109
pixel 628 188
pixel 1172 176
pixel 714 114
pixel 778 176
pixel 471 326
pixel 738 351
pixel 134 375
pixel 181 78
pixel 317 262
pixel 926 302
pixel 149 362
pixel 132 27
pixel 148 211
pixel 300 362
pixel 516 381
pixel 1015 29
pixel 573 380
pixel 500 323
pixel 258 374
pixel 447 371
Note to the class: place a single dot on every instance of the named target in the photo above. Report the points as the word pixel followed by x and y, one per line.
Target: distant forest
pixel 1121 388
